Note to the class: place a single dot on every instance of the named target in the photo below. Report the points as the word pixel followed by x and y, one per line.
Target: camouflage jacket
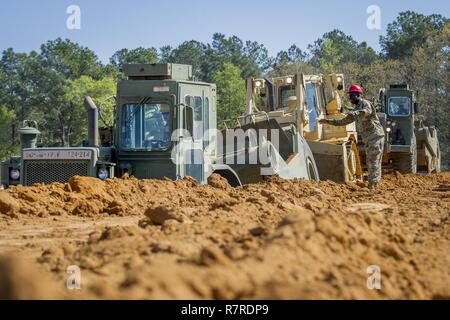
pixel 367 121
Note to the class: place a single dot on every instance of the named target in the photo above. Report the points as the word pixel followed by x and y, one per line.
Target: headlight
pixel 103 173
pixel 14 174
pixel 388 129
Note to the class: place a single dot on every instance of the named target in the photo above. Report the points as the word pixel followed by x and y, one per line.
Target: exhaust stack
pixel 29 134
pixel 92 113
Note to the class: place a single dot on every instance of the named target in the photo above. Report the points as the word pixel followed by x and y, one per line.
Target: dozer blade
pixel 336 162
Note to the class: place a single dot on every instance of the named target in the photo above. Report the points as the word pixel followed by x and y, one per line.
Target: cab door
pixel 193 98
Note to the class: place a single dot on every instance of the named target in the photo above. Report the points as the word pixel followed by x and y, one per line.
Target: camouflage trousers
pixel 374 156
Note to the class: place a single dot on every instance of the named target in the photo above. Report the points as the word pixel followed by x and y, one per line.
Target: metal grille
pixel 54 171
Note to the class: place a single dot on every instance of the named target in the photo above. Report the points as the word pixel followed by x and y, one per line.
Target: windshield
pixel 311 104
pixel 399 106
pixel 146 126
pixel 285 93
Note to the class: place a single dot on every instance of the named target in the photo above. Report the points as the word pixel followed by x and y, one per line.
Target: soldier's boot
pixel 373 187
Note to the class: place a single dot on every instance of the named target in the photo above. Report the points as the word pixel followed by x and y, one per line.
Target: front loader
pixel 301 100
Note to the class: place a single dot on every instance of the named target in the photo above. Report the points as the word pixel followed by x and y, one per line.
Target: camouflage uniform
pixel 372 134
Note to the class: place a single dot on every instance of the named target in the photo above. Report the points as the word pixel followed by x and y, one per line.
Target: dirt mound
pixel 20 279
pixel 90 197
pixel 217 181
pixel 8 205
pixel 277 239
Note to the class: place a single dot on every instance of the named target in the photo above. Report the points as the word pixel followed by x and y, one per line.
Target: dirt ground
pixel 148 239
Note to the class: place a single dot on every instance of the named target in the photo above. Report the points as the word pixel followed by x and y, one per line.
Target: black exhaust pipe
pixel 92 113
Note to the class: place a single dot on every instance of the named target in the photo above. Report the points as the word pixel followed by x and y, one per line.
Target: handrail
pixel 244 117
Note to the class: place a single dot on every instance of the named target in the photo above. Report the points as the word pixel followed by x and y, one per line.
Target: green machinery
pixel 164 126
pixel 411 143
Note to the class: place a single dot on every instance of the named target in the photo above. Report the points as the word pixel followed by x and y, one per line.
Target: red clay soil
pixel 152 239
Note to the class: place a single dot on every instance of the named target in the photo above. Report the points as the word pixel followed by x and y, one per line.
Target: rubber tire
pixel 312 174
pixel 438 161
pixel 406 163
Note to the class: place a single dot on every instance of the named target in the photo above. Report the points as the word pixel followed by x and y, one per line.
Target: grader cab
pixel 164 127
pixel 411 141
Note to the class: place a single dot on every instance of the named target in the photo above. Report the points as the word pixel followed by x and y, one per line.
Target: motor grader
pixel 301 100
pixel 164 127
pixel 411 144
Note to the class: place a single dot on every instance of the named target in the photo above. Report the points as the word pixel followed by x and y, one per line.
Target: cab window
pixel 198 118
pixel 196 103
pixel 206 122
pixel 285 93
pixel 399 106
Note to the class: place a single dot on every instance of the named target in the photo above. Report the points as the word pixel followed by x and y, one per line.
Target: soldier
pixel 370 128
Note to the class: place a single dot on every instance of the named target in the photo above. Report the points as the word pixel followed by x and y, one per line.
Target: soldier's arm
pixel 349 118
pixel 364 110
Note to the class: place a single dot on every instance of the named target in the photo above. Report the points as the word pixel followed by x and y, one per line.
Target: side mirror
pixel 416 108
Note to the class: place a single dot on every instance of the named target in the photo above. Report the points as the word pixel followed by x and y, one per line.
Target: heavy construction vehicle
pixel 301 100
pixel 411 144
pixel 164 126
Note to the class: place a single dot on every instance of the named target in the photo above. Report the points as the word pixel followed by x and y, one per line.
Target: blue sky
pixel 107 26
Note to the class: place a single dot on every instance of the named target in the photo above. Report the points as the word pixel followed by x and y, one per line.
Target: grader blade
pixel 267 149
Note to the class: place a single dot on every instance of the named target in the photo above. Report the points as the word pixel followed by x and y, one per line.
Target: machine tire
pixel 406 163
pixel 438 160
pixel 311 170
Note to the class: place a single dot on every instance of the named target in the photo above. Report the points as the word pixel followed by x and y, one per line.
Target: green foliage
pixel 292 55
pixel 7 146
pixel 70 59
pixel 285 68
pixel 349 50
pixel 330 57
pixel 34 86
pixel 230 92
pixel 189 52
pixel 408 31
pixel 431 76
pixel 251 57
pixel 72 105
pixel 138 55
pixel 374 76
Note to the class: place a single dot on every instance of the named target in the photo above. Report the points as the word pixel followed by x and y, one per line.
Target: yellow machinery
pixel 302 100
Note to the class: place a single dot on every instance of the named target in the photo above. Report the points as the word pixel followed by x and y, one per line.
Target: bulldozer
pixel 301 100
pixel 165 126
pixel 411 143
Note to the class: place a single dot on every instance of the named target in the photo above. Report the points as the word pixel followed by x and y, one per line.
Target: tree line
pixel 49 85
